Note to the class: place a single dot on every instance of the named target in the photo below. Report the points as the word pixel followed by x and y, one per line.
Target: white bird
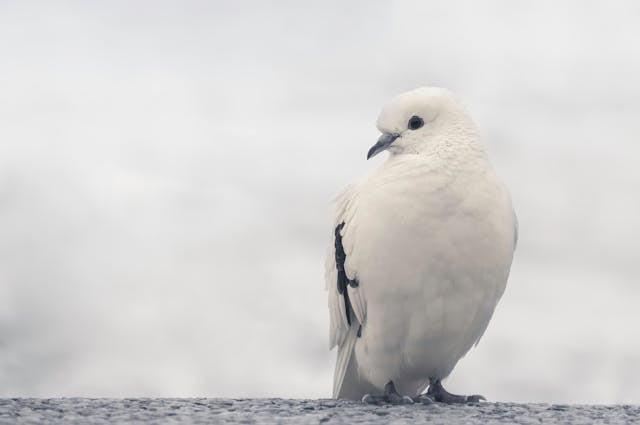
pixel 420 254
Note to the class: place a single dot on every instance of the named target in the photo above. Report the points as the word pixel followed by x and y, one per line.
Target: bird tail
pixel 344 361
pixel 347 382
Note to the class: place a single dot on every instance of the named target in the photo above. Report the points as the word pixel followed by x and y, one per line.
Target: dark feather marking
pixel 343 280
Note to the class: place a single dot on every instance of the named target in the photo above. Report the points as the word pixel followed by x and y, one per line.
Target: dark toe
pixel 424 399
pixel 372 399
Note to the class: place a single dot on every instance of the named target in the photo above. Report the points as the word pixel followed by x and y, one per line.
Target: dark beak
pixel 383 143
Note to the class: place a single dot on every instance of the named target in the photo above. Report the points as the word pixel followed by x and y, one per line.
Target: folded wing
pixel 347 306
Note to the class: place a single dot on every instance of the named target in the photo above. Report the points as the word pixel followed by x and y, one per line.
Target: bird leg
pixel 390 396
pixel 438 393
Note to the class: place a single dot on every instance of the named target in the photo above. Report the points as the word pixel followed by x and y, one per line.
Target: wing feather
pixel 344 322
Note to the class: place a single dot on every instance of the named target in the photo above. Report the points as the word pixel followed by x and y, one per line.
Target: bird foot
pixel 424 399
pixel 438 393
pixel 390 396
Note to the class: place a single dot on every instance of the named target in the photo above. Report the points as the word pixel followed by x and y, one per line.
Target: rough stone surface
pixel 283 411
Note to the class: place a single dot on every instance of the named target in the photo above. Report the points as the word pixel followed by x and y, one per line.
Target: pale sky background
pixel 166 171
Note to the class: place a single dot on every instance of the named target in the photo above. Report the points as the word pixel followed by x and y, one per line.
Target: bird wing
pixel 347 306
pixel 516 227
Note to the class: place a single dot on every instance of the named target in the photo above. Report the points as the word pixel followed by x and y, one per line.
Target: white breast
pixel 434 247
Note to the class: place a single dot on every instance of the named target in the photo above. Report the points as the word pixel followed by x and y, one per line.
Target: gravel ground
pixel 274 411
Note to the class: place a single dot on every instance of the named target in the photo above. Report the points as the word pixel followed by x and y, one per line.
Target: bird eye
pixel 415 122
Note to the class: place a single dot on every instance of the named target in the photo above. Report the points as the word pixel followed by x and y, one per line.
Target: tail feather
pixel 347 382
pixel 345 351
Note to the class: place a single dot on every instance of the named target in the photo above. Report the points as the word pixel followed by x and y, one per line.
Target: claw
pixel 368 399
pixel 424 399
pixel 438 393
pixel 406 400
pixel 373 399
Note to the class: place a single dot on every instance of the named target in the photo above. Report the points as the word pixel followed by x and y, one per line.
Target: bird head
pixel 421 121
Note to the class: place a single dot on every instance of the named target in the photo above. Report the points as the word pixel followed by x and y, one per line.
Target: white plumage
pixel 429 238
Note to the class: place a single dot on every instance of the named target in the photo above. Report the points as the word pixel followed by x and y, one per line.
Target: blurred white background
pixel 166 171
